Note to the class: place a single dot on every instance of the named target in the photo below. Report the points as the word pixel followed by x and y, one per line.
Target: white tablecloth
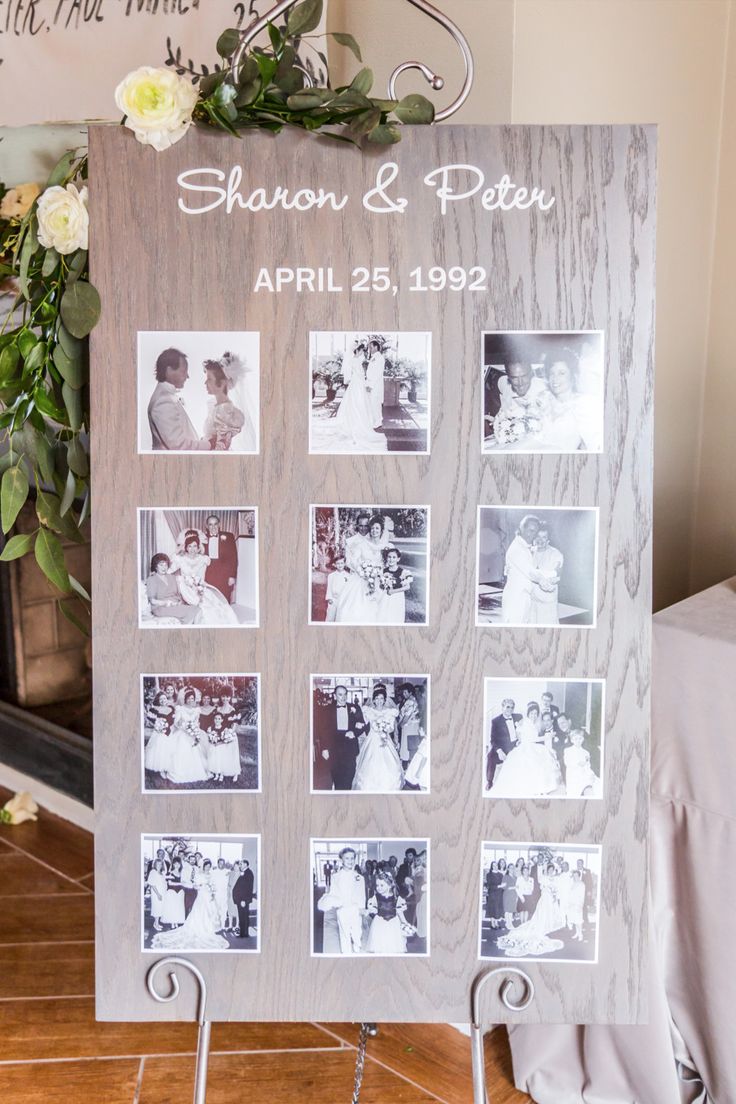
pixel 692 1029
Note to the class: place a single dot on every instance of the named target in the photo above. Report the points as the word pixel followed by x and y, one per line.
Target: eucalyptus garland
pixel 44 349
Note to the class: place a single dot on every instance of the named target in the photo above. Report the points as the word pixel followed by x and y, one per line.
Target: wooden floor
pixel 53 1052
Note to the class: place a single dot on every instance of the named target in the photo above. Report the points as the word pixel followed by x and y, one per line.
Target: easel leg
pixel 203 1057
pixel 480 1094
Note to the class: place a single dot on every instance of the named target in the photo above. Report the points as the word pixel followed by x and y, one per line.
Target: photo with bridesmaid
pixel 201 893
pixel 369 565
pixel 536 566
pixel 370 734
pixel 540 901
pixel 543 392
pixel 200 733
pixel 370 392
pixel 198 392
pixel 543 738
pixel 370 897
pixel 198 568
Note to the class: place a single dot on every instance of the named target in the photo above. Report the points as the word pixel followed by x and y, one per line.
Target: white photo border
pixel 540 678
pixel 366 793
pixel 201 674
pixel 595 510
pixel 205 836
pixel 347 840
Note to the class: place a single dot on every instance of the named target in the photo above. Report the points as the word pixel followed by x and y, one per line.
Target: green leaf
pixel 267 67
pixel 61 170
pixel 70 493
pixel 76 263
pixel 50 558
pixel 349 100
pixel 415 110
pixel 249 71
pixel 287 76
pixel 13 493
pixel 347 40
pixel 385 135
pixel 9 359
pixel 80 308
pixel 304 18
pixel 50 262
pixel 365 122
pixel 17 546
pixel 248 93
pixel 46 404
pixel 308 99
pixel 362 81
pixel 35 358
pixel 44 455
pixel 48 511
pixel 76 585
pixel 26 255
pixel 84 512
pixel 26 340
pixel 275 35
pixel 77 458
pixel 228 42
pixel 72 346
pixel 73 404
pixel 208 84
pixel 65 608
pixel 71 371
pixel 384 105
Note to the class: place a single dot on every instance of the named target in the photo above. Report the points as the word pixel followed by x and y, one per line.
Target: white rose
pixel 63 222
pixel 157 104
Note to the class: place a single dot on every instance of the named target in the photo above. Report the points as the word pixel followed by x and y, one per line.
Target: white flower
pixel 63 222
pixel 18 201
pixel 157 104
pixel 20 808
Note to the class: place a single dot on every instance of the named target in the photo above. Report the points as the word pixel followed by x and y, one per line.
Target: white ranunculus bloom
pixel 20 808
pixel 157 104
pixel 63 222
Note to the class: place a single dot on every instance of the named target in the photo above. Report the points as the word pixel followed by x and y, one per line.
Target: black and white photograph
pixel 200 733
pixel 198 392
pixel 370 392
pixel 370 734
pixel 542 392
pixel 543 738
pixel 370 897
pixel 540 901
pixel 537 566
pixel 369 565
pixel 198 567
pixel 201 893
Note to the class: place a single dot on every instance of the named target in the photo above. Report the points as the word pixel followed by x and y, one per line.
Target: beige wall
pixel 601 61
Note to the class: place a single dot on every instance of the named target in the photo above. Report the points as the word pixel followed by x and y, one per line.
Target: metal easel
pixel 366 1030
pixel 480 1094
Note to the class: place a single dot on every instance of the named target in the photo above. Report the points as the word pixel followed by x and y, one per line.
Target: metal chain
pixel 365 1030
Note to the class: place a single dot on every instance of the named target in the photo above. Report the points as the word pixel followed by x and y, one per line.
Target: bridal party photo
pixel 369 565
pixel 200 733
pixel 201 893
pixel 370 392
pixel 198 392
pixel 542 392
pixel 370 897
pixel 198 568
pixel 540 902
pixel 370 734
pixel 543 738
pixel 536 566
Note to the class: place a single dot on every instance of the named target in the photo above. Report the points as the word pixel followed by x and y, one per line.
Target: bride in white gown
pixel 361 598
pixel 378 769
pixel 530 940
pixel 530 769
pixel 191 565
pixel 199 930
pixel 351 430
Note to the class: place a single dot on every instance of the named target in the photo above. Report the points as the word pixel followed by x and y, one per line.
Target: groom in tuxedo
pixel 503 738
pixel 168 420
pixel 243 897
pixel 340 724
pixel 223 554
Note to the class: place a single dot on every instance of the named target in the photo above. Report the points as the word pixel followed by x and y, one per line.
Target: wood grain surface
pixel 588 263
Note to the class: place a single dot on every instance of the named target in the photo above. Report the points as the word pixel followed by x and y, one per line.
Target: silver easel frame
pixel 480 1093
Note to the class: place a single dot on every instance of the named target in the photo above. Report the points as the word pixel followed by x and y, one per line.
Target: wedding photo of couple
pixel 543 738
pixel 370 734
pixel 536 566
pixel 198 568
pixel 201 893
pixel 542 392
pixel 370 897
pixel 370 392
pixel 198 392
pixel 369 565
pixel 540 901
pixel 200 733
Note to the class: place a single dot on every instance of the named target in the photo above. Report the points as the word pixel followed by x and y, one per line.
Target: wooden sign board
pixel 421 335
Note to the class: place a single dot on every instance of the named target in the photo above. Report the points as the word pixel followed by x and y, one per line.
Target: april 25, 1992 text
pixel 378 279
